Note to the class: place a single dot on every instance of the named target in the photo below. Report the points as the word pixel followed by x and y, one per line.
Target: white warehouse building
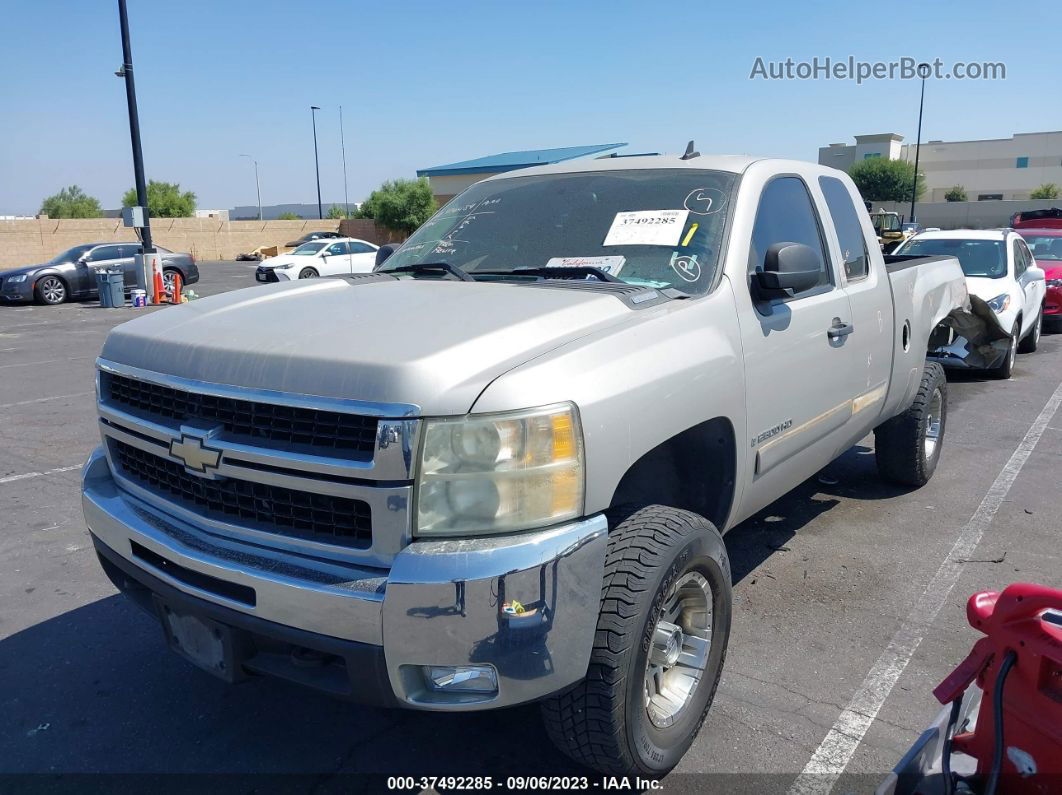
pixel 990 169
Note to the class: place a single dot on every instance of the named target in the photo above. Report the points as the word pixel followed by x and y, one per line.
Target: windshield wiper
pixel 429 267
pixel 567 272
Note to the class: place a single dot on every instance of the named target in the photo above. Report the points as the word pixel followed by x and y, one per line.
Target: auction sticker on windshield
pixel 646 228
pixel 610 265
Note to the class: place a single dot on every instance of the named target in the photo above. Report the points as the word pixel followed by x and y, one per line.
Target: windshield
pixel 70 255
pixel 308 249
pixel 658 228
pixel 1045 247
pixel 977 257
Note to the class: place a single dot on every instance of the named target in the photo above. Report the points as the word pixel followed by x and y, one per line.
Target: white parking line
pixel 44 399
pixel 833 755
pixel 27 475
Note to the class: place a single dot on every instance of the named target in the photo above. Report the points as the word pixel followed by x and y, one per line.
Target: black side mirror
pixel 385 251
pixel 788 269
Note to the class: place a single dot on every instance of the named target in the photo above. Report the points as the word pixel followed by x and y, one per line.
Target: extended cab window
pixel 786 215
pixel 650 227
pixel 849 232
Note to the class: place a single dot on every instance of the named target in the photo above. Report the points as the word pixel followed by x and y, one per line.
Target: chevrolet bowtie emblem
pixel 195 455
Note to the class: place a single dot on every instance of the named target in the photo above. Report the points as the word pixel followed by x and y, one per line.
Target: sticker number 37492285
pixel 646 228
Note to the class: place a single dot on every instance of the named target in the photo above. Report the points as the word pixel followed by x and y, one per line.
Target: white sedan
pixel 319 258
pixel 999 269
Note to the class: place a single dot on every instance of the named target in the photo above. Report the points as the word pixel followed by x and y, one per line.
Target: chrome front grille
pixel 297 472
pixel 345 434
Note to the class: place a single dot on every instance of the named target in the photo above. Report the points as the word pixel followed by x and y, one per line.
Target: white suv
pixel 999 269
pixel 320 258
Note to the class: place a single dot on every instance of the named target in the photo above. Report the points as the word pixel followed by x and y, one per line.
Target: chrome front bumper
pixel 441 602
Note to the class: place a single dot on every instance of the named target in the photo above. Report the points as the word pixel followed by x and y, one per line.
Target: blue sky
pixel 424 83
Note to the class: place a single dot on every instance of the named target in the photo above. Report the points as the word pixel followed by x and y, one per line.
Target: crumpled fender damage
pixel 970 337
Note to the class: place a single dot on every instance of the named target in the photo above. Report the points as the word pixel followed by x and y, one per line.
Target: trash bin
pixel 111 284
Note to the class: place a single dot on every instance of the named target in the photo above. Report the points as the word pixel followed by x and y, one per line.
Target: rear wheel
pixel 308 273
pixel 907 447
pixel 51 290
pixel 1032 340
pixel 658 650
pixel 169 279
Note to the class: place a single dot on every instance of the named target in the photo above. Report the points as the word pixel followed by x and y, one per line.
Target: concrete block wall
pixel 25 242
pixel 968 215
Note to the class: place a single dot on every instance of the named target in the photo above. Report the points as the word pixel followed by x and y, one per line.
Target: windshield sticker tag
pixel 705 201
pixel 689 235
pixel 646 228
pixel 610 265
pixel 686 266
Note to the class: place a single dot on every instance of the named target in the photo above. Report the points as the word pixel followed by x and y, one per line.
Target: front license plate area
pixel 203 642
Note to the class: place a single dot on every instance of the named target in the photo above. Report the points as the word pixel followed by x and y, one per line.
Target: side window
pixel 849 232
pixel 1029 259
pixel 336 248
pixel 787 215
pixel 361 248
pixel 101 253
pixel 1020 263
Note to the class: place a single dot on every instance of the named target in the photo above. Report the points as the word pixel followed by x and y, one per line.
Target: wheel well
pixel 693 470
pixel 41 278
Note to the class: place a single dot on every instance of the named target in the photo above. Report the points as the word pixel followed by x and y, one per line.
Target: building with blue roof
pixel 450 179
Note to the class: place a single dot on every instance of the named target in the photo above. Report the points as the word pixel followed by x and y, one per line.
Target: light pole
pixel 257 187
pixel 134 124
pixel 343 146
pixel 316 162
pixel 923 72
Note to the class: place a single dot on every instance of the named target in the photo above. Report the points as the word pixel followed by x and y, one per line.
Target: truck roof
pixel 732 163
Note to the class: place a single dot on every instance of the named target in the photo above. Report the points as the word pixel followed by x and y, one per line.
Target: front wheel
pixel 658 650
pixel 308 273
pixel 907 447
pixel 1003 372
pixel 51 290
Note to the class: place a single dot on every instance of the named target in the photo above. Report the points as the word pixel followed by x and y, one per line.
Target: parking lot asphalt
pixel 827 580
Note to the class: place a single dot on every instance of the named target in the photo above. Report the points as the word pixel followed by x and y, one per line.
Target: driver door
pixel 107 256
pixel 335 260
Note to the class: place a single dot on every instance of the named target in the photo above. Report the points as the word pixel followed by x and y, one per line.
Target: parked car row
pixel 1001 270
pixel 72 273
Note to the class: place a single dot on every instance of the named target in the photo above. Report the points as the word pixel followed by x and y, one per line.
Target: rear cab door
pixel 797 376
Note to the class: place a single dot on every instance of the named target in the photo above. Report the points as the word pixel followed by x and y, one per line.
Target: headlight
pixel 285 265
pixel 496 473
pixel 1054 282
pixel 1000 303
pixel 16 279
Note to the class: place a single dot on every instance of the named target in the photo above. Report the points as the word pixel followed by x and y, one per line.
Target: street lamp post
pixel 134 125
pixel 923 72
pixel 343 146
pixel 316 162
pixel 257 187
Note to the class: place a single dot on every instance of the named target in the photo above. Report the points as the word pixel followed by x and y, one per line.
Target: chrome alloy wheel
pixel 933 415
pixel 168 280
pixel 678 656
pixel 52 290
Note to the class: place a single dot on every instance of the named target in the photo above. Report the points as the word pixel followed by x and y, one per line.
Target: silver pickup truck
pixel 497 469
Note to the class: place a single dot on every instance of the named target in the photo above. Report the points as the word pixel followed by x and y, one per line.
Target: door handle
pixel 839 330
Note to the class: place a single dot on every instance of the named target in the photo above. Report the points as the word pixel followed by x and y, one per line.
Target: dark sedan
pixel 72 274
pixel 312 236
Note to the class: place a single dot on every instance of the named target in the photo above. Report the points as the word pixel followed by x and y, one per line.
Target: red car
pixel 1046 245
pixel 1050 218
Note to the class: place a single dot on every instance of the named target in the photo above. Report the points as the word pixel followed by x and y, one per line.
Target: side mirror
pixel 383 252
pixel 788 269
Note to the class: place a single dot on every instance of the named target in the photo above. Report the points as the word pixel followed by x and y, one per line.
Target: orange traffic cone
pixel 160 287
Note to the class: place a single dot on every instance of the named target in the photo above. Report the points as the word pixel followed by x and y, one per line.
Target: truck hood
pixel 430 343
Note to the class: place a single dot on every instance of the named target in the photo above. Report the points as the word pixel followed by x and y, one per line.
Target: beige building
pixel 990 169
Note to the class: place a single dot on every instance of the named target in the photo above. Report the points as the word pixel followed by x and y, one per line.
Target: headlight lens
pixel 16 279
pixel 1000 303
pixel 496 473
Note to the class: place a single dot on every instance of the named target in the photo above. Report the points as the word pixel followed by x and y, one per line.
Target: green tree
pixel 71 202
pixel 881 180
pixel 956 194
pixel 400 204
pixel 165 200
pixel 336 213
pixel 289 217
pixel 1048 190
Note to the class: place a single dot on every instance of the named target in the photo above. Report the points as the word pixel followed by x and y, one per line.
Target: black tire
pixel 1003 372
pixel 907 447
pixel 1032 339
pixel 308 273
pixel 51 290
pixel 603 722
